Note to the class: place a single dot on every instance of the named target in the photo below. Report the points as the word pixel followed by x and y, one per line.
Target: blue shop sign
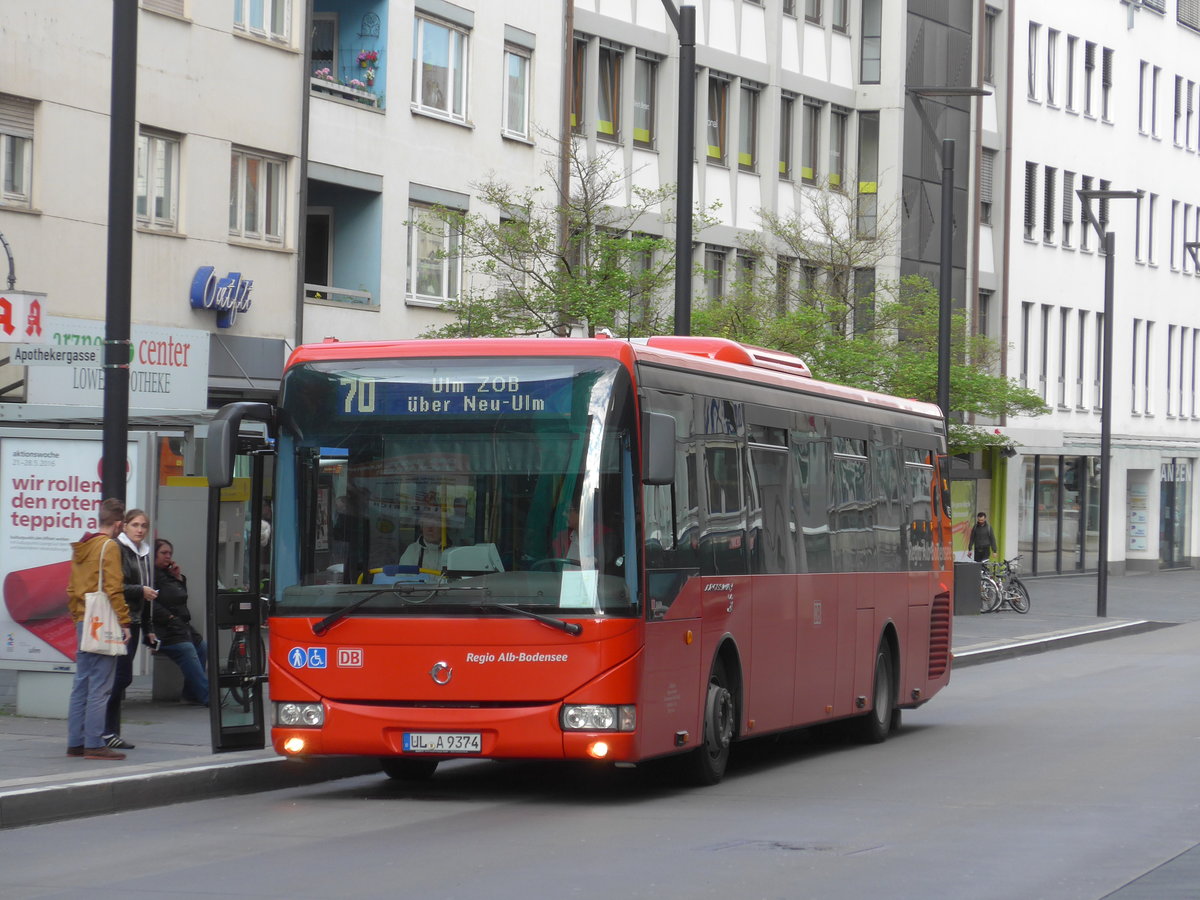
pixel 228 296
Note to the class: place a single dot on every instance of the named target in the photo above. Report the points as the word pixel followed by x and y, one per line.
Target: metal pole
pixel 12 266
pixel 1105 427
pixel 945 271
pixel 121 159
pixel 686 140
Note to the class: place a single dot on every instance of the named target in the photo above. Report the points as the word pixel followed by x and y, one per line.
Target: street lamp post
pixel 684 20
pixel 1109 246
pixel 946 233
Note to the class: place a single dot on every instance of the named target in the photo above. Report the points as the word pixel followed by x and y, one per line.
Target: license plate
pixel 442 742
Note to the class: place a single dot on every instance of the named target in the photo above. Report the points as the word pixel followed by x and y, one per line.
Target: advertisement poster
pixel 50 490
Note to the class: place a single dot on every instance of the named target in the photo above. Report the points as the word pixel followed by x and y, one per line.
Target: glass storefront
pixel 1059 516
pixel 1175 481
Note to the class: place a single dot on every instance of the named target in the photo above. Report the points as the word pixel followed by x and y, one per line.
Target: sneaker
pixel 116 742
pixel 75 751
pixel 101 753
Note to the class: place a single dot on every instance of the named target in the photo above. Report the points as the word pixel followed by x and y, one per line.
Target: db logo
pixel 350 657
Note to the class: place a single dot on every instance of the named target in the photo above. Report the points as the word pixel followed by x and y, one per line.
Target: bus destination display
pixel 456 395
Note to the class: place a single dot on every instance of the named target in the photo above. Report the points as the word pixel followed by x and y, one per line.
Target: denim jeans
pixel 89 696
pixel 190 658
pixel 121 680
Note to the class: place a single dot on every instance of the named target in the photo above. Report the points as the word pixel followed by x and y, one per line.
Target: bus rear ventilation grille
pixel 939 636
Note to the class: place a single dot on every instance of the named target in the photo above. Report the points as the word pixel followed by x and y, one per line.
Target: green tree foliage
pixel 536 263
pixel 814 294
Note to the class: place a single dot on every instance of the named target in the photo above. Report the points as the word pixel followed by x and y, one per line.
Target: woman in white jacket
pixel 138 566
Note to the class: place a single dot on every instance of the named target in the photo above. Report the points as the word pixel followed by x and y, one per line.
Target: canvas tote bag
pixel 102 631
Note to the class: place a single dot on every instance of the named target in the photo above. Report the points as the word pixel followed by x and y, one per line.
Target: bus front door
pixel 239 552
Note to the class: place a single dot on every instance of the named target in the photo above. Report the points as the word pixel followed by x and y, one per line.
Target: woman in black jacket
pixel 139 597
pixel 173 624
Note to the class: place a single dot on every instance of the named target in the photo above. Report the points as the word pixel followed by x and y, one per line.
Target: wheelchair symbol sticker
pixel 318 658
pixel 297 658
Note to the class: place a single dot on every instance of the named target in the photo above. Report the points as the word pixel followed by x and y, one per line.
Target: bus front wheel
pixel 403 769
pixel 720 716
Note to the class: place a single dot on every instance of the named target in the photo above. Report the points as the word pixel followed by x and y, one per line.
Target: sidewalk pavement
pixel 173 760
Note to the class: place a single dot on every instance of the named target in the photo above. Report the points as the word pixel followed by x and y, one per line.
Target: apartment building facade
pixel 1095 97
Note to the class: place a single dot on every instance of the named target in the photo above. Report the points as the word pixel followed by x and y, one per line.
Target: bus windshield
pixel 423 486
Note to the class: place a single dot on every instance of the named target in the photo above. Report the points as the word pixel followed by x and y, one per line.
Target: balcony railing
pixel 345 92
pixel 324 293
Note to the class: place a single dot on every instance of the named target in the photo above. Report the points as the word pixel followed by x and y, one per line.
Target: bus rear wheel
pixel 874 727
pixel 708 761
pixel 403 769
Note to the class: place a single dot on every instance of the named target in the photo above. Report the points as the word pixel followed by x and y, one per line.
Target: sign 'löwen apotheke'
pixel 168 367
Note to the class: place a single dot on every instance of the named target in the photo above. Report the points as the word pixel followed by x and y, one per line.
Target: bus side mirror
pixel 658 448
pixel 223 437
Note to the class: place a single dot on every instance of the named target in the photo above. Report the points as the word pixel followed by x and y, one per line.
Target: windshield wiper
pixel 401 590
pixel 572 628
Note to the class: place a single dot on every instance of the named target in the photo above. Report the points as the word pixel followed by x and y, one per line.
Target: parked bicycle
pixel 1001 587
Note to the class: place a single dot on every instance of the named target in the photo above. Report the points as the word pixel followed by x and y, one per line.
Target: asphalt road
pixel 1064 775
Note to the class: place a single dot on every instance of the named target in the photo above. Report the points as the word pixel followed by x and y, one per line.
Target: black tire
pixel 989 596
pixel 874 727
pixel 405 769
pixel 1018 596
pixel 708 761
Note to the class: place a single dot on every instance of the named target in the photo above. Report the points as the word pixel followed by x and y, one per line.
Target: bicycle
pixel 991 591
pixel 1011 590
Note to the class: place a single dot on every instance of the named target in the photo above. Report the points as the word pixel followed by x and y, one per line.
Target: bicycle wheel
pixel 989 595
pixel 1017 596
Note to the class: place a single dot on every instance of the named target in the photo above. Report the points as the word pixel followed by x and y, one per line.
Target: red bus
pixel 592 549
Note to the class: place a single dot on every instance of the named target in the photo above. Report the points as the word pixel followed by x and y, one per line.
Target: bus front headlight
pixel 593 717
pixel 300 715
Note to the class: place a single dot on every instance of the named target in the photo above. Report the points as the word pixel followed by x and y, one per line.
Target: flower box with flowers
pixel 367 59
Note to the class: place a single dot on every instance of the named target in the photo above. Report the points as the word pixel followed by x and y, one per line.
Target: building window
pixel 1030 199
pixel 1155 78
pixel 440 69
pixel 515 113
pixel 747 268
pixel 1049 210
pixel 1143 71
pixel 1089 72
pixel 1068 208
pixel 812 11
pixel 789 7
pixel 1064 322
pixel 645 91
pixel 1134 393
pixel 991 17
pixel 714 274
pixel 1085 227
pixel 868 174
pixel 1051 66
pixel 1170 406
pixel 1177 125
pixel 837 148
pixel 872 41
pixel 987 171
pixel 256 196
pixel 787 109
pixel 718 118
pixel 608 97
pixel 1151 212
pixel 1137 229
pixel 1081 361
pixel 157 181
pixel 1106 68
pixel 1026 324
pixel 1098 371
pixel 1032 86
pixel 16 151
pixel 578 84
pixel 1174 220
pixel 433 259
pixel 1072 56
pixel 1044 356
pixel 1189 110
pixel 266 18
pixel 810 142
pixel 983 314
pixel 748 129
pixel 840 15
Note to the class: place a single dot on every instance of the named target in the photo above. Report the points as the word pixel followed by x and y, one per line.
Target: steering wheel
pixel 550 562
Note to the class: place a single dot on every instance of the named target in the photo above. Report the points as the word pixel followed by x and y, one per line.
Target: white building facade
pixel 1100 96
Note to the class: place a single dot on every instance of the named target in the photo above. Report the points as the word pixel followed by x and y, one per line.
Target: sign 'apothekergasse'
pixel 228 296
